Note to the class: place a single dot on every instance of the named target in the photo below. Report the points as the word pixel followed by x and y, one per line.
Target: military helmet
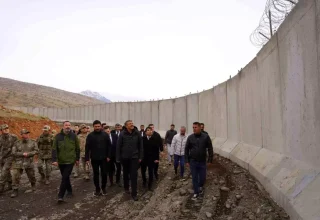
pixel 46 128
pixel 4 126
pixel 24 131
pixel 83 126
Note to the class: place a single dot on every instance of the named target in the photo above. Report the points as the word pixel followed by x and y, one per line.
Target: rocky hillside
pixel 17 93
pixel 18 120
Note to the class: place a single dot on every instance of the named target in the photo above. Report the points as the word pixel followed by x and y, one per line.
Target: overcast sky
pixel 134 48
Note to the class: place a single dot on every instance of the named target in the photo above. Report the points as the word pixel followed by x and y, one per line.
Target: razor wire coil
pixel 274 14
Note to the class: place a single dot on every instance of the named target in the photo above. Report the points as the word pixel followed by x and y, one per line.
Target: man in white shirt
pixel 178 145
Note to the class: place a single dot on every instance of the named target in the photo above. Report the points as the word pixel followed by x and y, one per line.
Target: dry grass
pixel 17 93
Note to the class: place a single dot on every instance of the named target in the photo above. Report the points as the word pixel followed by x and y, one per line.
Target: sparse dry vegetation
pixel 17 93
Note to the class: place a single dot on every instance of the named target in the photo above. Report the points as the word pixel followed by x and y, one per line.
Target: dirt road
pixel 230 193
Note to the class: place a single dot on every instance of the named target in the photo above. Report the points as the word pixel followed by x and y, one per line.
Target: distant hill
pixel 17 93
pixel 95 95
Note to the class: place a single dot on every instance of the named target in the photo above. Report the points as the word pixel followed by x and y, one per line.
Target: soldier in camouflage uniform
pixel 7 142
pixel 44 143
pixel 54 132
pixel 82 140
pixel 23 151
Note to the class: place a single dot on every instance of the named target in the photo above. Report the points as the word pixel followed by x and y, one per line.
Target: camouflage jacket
pixel 45 143
pixel 6 144
pixel 82 140
pixel 24 146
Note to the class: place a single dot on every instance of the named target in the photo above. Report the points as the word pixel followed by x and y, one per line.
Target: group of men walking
pixel 109 153
pixel 19 155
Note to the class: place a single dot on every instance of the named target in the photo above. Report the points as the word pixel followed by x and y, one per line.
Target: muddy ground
pixel 230 193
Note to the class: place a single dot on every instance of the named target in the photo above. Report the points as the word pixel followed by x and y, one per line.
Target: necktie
pixel 110 139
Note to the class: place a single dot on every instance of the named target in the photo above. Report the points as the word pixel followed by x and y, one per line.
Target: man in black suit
pixel 112 163
pixel 117 129
pixel 142 131
pixel 150 158
pixel 158 141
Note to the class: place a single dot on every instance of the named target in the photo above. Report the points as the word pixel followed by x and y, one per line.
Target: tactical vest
pixel 45 142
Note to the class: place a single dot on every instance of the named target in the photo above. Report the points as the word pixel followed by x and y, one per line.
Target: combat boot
pixel 14 193
pixel 9 186
pixel 1 189
pixel 43 178
pixel 47 181
pixel 33 187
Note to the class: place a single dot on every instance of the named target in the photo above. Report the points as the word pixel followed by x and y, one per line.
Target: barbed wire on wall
pixel 274 14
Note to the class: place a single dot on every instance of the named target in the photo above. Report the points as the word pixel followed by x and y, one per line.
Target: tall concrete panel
pixel 60 115
pixel 220 111
pixel 179 112
pixel 137 117
pixel 270 97
pixel 165 114
pixel 86 113
pixel 118 112
pixel 155 114
pixel 45 112
pixel 146 113
pixel 96 112
pixel 192 111
pixel 249 105
pixel 35 111
pixel 50 113
pixel 206 106
pixel 233 108
pixel 131 110
pixel 82 112
pixel 300 84
pixel 112 113
pixel 103 116
pixel 124 112
pixel 91 114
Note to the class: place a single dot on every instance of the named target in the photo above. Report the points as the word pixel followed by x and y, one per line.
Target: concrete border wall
pixel 266 118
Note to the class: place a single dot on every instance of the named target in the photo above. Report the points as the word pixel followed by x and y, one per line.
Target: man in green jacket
pixel 65 153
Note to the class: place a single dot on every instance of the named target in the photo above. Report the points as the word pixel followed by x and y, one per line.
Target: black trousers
pixel 155 170
pixel 99 167
pixel 65 185
pixel 130 167
pixel 113 166
pixel 150 165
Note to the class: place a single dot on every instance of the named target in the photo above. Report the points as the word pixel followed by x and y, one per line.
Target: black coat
pixel 158 140
pixel 129 146
pixel 196 148
pixel 150 149
pixel 169 136
pixel 98 146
